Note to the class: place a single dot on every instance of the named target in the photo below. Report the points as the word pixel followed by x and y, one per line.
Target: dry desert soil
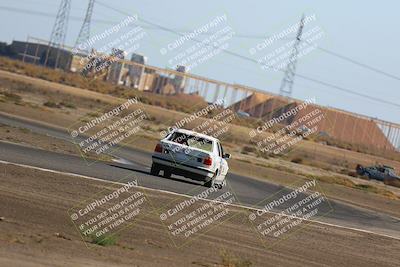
pixel 36 230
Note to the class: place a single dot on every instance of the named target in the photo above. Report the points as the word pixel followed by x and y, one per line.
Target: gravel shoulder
pixel 36 230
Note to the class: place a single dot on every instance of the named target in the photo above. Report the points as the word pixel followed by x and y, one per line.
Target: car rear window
pixel 192 141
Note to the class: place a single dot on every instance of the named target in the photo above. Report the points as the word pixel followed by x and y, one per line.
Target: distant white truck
pixel 193 155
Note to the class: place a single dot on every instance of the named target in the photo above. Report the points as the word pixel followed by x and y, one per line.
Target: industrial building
pixel 40 53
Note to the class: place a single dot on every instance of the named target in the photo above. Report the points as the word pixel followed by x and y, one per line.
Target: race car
pixel 378 172
pixel 192 155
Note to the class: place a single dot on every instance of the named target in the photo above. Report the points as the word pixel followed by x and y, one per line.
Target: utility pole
pixel 59 32
pixel 290 72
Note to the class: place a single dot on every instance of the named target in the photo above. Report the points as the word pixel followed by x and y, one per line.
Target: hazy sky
pixel 363 30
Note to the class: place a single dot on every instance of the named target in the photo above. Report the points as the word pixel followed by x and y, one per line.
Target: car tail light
pixel 207 161
pixel 158 148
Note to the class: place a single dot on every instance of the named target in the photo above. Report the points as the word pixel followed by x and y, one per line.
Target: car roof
pixel 388 167
pixel 185 131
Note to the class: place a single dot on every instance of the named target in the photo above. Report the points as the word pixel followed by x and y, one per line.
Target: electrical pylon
pixel 84 33
pixel 290 72
pixel 59 32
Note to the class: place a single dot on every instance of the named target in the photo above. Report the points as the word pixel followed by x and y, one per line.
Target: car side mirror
pixel 227 156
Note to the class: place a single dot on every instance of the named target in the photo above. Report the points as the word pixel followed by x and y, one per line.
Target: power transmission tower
pixel 57 38
pixel 290 72
pixel 84 33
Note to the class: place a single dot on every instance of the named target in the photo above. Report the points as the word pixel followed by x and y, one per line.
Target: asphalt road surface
pixel 135 165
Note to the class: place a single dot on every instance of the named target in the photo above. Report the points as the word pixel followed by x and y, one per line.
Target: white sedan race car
pixel 193 155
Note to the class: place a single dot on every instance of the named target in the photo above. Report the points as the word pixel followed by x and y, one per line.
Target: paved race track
pixel 135 164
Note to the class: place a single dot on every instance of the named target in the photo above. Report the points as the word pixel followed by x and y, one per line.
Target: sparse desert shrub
pixel 297 160
pixel 366 187
pixel 352 174
pixel 376 190
pixel 51 104
pixel 67 104
pixel 392 182
pixel 249 149
pixel 104 240
pixel 230 260
pixel 12 97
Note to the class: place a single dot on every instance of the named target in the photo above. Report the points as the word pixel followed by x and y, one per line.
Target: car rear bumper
pixel 188 171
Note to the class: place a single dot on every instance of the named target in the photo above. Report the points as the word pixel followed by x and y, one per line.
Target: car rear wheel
pixel 167 173
pixel 210 183
pixel 155 169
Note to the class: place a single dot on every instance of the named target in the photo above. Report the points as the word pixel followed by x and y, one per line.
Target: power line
pixel 262 37
pixel 237 35
pixel 50 15
pixel 255 61
pixel 358 63
pixel 322 49
pixel 343 89
pixel 156 26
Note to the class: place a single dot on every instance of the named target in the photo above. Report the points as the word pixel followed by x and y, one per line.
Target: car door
pixel 380 173
pixel 373 173
pixel 224 163
pixel 389 174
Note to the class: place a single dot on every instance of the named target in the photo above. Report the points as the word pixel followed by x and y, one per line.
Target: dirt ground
pixel 36 230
